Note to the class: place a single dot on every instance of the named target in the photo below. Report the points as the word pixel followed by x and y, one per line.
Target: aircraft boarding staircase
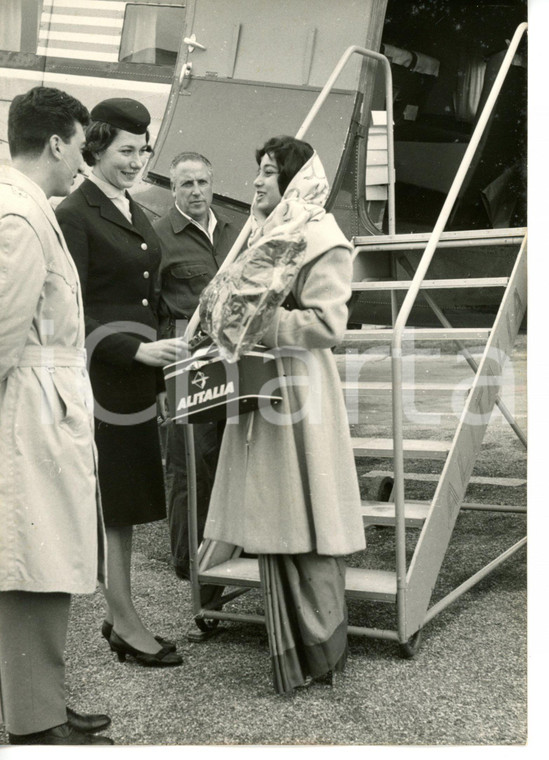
pixel 216 566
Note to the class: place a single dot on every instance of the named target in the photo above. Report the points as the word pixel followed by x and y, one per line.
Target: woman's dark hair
pixel 289 153
pixel 40 113
pixel 99 135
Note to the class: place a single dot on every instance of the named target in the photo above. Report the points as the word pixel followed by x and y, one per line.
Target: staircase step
pixel 372 387
pixel 413 449
pixel 418 333
pixel 460 238
pixel 415 512
pixel 377 585
pixel 241 571
pixel 461 282
pixel 383 513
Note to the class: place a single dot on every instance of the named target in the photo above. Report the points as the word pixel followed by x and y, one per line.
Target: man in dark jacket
pixel 194 242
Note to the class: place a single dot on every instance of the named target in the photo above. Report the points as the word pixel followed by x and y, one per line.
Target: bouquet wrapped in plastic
pixel 239 303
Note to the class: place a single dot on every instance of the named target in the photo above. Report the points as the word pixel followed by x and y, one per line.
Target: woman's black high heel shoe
pixel 162 659
pixel 106 630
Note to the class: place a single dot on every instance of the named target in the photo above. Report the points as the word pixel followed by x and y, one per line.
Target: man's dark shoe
pixel 87 724
pixel 63 734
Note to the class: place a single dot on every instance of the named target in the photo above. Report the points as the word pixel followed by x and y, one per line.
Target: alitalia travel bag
pixel 205 388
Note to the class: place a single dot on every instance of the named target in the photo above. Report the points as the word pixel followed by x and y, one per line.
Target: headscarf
pixel 240 301
pixel 302 202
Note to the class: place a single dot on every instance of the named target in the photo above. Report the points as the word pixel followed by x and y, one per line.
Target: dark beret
pixel 124 113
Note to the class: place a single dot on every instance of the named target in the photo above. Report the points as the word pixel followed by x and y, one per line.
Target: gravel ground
pixel 466 685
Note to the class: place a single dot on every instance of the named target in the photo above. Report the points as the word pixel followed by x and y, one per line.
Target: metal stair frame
pixel 445 506
pixel 198 561
pixel 405 628
pixel 413 588
pixel 405 263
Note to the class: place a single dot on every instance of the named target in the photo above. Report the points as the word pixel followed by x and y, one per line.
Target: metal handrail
pixel 389 105
pixel 313 111
pixel 404 313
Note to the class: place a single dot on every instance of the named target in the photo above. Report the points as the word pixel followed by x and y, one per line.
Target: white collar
pixel 212 222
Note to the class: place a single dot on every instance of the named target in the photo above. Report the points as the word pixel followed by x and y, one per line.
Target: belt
pixel 52 356
pixel 168 319
pixel 169 325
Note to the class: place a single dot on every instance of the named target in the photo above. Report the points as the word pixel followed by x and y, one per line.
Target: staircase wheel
pixel 381 488
pixel 206 625
pixel 409 648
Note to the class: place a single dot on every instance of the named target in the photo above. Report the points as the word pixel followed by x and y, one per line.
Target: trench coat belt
pixel 52 356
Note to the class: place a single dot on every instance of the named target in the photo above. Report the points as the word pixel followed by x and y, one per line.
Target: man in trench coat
pixel 52 536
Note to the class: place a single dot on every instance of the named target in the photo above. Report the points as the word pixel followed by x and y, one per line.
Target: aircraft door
pixel 270 42
pixel 251 69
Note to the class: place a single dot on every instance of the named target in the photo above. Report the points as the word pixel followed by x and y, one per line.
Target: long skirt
pixel 305 614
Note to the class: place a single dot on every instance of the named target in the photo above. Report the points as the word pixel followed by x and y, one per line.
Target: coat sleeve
pixel 322 290
pixel 116 347
pixel 22 277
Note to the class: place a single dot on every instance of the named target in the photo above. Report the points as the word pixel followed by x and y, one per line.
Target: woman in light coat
pixel 286 485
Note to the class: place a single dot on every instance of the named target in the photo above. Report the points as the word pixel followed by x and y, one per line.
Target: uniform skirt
pixel 131 479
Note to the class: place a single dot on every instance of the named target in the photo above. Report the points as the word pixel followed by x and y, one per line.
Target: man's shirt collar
pixel 212 222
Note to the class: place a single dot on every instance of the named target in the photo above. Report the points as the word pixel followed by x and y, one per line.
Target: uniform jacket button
pixel 145 302
pixel 146 275
pixel 144 246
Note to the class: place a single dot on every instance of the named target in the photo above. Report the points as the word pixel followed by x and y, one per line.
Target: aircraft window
pixel 19 23
pixel 151 34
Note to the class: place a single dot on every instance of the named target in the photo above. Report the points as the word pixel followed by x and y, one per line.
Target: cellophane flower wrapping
pixel 238 305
